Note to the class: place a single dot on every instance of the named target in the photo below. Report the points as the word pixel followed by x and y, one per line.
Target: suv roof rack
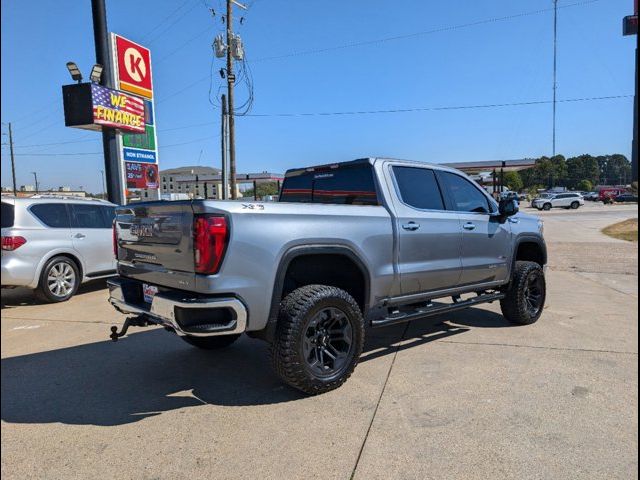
pixel 66 197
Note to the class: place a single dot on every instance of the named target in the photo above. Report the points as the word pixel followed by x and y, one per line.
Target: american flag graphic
pixel 117 109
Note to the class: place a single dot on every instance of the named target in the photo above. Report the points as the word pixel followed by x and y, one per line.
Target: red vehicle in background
pixel 608 195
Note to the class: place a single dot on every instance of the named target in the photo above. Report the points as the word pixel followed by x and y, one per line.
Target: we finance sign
pixel 117 109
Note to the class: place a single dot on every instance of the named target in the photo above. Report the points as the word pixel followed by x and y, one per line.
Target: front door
pixel 486 240
pixel 429 236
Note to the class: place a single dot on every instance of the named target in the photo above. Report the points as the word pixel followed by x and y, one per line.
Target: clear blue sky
pixel 498 62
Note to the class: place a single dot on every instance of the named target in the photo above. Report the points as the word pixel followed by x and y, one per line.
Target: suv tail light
pixel 13 242
pixel 210 235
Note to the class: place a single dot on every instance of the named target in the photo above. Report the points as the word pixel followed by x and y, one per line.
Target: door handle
pixel 411 226
pixel 79 235
pixel 469 226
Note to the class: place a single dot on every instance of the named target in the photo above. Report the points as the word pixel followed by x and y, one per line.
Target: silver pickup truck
pixel 373 241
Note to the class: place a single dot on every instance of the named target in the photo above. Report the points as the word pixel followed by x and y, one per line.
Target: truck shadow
pixel 151 372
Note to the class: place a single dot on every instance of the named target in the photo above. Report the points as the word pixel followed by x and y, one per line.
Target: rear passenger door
pixel 91 233
pixel 429 236
pixel 486 240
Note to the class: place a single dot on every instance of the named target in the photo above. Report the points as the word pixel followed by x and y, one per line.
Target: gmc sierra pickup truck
pixel 373 241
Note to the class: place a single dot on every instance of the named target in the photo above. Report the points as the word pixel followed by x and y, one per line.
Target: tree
pixel 584 185
pixel 513 181
pixel 583 167
pixel 263 189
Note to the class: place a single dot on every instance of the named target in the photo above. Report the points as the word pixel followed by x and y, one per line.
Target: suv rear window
pixel 350 184
pixel 53 215
pixel 7 215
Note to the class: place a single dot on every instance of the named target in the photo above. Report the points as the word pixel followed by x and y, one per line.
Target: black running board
pixel 430 311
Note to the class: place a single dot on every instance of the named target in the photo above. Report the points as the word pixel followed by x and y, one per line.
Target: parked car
pixel 53 244
pixel 627 197
pixel 371 241
pixel 591 196
pixel 547 201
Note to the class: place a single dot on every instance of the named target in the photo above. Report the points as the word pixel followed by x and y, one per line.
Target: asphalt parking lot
pixel 465 395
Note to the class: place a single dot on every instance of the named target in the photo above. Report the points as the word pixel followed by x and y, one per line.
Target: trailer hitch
pixel 137 321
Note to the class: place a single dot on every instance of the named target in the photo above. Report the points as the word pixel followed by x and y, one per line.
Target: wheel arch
pixel 313 254
pixel 61 253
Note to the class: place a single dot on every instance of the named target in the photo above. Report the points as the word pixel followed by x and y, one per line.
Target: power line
pixel 439 108
pixel 422 33
pixel 387 39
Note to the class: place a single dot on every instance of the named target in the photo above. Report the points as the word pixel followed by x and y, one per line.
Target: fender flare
pixel 527 238
pixel 303 250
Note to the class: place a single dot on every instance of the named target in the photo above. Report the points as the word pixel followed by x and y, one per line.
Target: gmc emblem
pixel 141 230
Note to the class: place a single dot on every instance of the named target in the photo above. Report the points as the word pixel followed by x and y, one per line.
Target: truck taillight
pixel 11 243
pixel 210 235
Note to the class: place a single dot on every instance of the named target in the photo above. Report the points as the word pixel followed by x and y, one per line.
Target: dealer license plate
pixel 148 292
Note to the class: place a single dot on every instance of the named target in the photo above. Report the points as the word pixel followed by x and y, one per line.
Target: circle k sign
pixel 134 67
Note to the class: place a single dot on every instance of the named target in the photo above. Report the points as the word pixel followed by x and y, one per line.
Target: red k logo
pixel 136 68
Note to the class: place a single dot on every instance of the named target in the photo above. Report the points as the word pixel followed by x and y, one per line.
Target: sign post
pixel 630 27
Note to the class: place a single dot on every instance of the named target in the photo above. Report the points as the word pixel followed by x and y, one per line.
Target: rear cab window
pixel 54 215
pixel 350 184
pixel 8 215
pixel 418 188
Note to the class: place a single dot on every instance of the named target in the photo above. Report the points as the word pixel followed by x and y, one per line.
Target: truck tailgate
pixel 155 243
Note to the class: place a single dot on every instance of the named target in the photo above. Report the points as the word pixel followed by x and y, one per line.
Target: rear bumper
pixel 196 316
pixel 18 272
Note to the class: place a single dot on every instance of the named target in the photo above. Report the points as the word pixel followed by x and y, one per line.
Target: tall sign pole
pixel 630 27
pixel 13 163
pixel 109 143
pixel 555 84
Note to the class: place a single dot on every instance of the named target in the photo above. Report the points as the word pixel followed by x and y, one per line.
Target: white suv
pixel 53 244
pixel 546 201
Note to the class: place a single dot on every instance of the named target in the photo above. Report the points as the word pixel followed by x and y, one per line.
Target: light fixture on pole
pixel 74 71
pixel 96 73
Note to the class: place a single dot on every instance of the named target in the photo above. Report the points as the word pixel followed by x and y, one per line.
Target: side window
pixel 464 195
pixel 419 188
pixel 87 216
pixel 109 213
pixel 53 215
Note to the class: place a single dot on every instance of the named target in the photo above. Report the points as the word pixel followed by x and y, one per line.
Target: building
pixel 206 182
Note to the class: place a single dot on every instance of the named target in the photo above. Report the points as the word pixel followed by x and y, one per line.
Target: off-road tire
pixel 575 205
pixel 297 311
pixel 211 343
pixel 60 263
pixel 546 206
pixel 514 305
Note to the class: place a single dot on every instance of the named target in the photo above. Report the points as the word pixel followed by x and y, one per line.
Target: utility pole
pixel 630 27
pixel 104 188
pixel 555 85
pixel 223 142
pixel 35 176
pixel 13 162
pixel 109 145
pixel 231 78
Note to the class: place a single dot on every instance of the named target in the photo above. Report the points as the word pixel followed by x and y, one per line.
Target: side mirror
pixel 508 207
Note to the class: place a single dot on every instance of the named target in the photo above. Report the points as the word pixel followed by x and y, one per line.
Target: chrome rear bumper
pixel 163 311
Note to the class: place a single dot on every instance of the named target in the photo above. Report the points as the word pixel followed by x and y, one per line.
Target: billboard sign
pixel 134 67
pixel 138 151
pixel 141 176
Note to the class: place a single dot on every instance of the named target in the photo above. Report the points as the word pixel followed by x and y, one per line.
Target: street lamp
pixel 96 73
pixel 74 71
